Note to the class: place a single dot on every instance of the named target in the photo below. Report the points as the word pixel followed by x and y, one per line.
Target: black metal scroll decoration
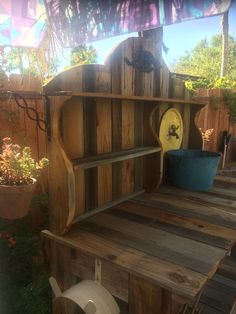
pixel 143 61
pixel 31 112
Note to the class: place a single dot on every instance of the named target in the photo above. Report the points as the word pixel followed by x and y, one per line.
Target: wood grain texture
pixel 61 174
pixel 144 297
pixel 190 228
pixel 180 280
pixel 161 246
pixel 191 209
pixel 104 136
pixel 114 108
pixel 174 248
pixel 159 249
pixel 112 278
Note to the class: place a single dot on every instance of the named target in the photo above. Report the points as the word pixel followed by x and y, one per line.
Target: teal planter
pixel 192 169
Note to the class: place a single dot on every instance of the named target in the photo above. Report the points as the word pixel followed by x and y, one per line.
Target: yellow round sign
pixel 171 130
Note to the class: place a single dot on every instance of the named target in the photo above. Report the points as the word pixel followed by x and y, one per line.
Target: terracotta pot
pixel 15 200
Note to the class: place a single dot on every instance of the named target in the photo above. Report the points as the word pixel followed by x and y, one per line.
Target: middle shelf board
pixel 128 97
pixel 102 159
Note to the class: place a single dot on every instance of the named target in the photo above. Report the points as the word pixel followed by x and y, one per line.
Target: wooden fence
pixel 14 121
pixel 215 116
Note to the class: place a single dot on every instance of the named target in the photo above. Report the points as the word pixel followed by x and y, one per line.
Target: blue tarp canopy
pixel 22 22
pixel 76 22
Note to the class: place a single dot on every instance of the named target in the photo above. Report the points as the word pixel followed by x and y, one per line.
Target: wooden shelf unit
pixel 104 144
pixel 105 150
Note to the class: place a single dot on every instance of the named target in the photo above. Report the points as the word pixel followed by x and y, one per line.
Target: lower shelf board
pixel 107 206
pixel 102 159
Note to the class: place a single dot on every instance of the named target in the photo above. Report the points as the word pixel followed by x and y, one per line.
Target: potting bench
pixel 157 247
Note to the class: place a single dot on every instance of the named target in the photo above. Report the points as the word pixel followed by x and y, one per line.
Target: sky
pixel 177 37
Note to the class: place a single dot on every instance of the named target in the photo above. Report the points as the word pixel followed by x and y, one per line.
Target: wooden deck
pixel 166 244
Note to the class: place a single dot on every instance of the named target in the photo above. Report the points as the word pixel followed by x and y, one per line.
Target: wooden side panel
pixel 61 174
pixel 90 137
pixel 127 170
pixel 72 127
pixel 138 139
pixel 115 63
pixel 144 296
pixel 112 278
pixel 72 132
pixel 104 136
pixel 127 117
pixel 61 256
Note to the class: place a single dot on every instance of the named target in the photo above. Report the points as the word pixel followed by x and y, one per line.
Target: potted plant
pixel 18 175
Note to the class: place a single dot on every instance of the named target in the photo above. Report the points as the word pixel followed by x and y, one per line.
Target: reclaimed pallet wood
pixel 182 281
pixel 188 208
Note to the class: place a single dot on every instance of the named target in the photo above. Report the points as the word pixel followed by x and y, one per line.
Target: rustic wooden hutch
pixel 104 149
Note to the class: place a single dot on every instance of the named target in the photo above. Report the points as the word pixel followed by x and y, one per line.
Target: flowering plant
pixel 17 167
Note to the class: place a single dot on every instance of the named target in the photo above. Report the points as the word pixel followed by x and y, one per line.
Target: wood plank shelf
pixel 102 159
pixel 115 202
pixel 128 97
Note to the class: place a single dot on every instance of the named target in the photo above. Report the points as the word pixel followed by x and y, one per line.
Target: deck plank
pixel 182 227
pixel 228 192
pixel 188 208
pixel 177 249
pixel 181 281
pixel 174 240
pixel 156 214
pixel 201 198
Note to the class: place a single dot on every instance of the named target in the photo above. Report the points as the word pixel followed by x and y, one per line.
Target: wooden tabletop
pixel 173 238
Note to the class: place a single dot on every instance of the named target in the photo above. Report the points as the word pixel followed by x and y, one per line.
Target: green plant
pixel 229 94
pixel 204 60
pixel 23 277
pixel 193 85
pixel 83 55
pixel 206 136
pixel 17 167
pixel 230 101
pixel 217 82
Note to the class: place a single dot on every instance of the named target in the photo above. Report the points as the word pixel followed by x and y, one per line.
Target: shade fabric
pixel 21 22
pixel 76 22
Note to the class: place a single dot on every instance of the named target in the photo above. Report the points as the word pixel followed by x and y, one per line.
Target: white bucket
pixel 89 295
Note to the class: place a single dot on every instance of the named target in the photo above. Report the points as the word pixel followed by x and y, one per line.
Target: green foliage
pixel 32 61
pixel 193 85
pixel 17 167
pixel 228 87
pixel 218 82
pixel 204 60
pixel 24 284
pixel 35 296
pixel 230 101
pixel 83 55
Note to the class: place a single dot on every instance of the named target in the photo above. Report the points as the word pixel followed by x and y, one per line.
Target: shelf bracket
pixel 98 270
pixel 43 125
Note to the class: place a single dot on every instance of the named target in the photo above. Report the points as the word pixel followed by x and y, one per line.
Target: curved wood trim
pixel 62 160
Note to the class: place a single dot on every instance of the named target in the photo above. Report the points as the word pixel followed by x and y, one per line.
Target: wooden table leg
pixel 145 297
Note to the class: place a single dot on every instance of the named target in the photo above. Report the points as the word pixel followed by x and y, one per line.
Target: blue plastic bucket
pixel 192 169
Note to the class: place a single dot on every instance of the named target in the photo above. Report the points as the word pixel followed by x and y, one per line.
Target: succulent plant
pixel 17 167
